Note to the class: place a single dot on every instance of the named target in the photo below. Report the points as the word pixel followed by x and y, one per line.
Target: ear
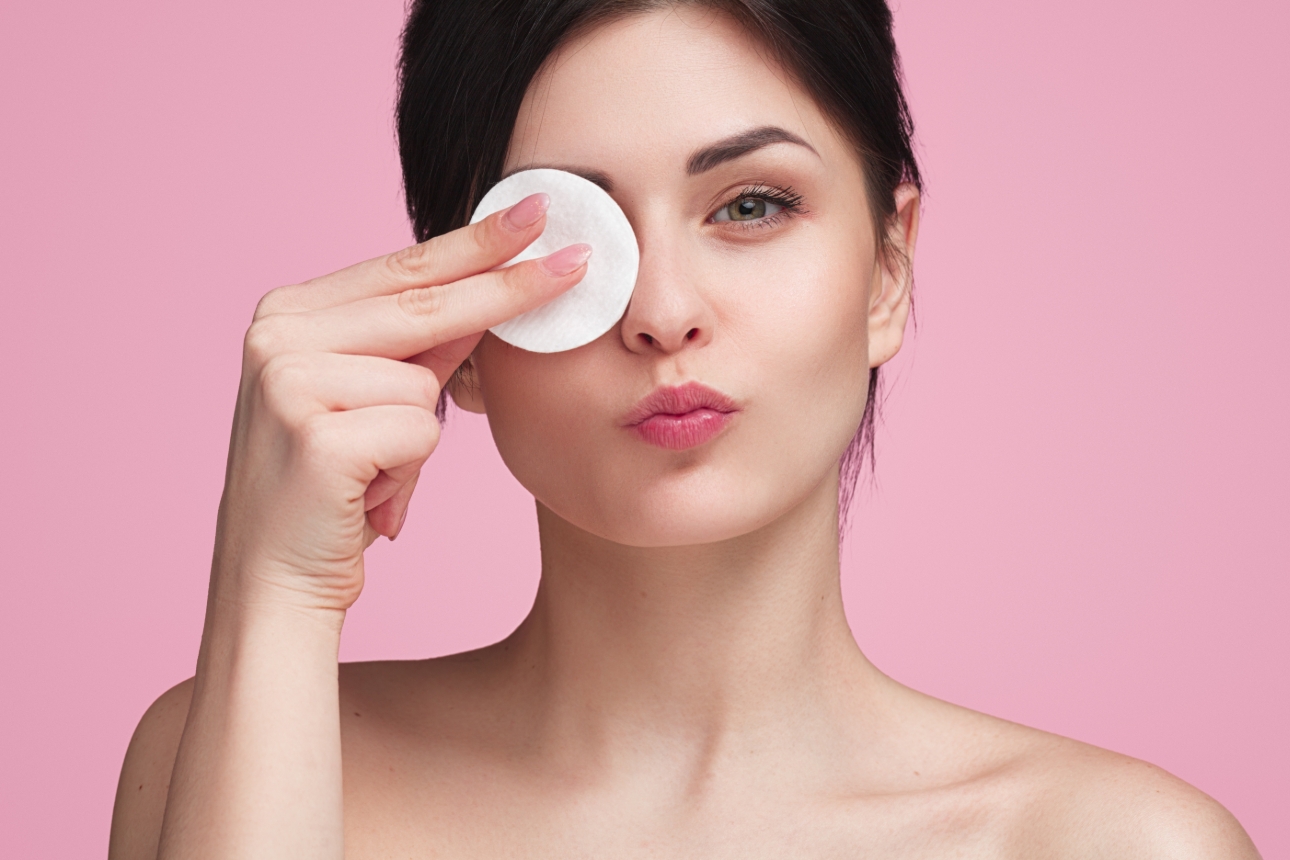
pixel 893 279
pixel 463 388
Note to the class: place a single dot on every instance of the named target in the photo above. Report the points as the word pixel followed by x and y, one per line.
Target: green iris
pixel 747 209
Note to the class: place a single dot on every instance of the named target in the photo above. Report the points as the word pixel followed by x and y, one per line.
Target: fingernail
pixel 566 260
pixel 526 212
pixel 399 530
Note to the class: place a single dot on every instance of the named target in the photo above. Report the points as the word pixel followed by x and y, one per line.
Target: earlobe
pixel 463 388
pixel 894 279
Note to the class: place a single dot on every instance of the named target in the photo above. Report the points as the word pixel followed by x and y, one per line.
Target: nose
pixel 668 312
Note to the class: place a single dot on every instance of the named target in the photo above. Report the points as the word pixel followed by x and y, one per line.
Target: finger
pixel 388 518
pixel 379 491
pixel 413 321
pixel 387 483
pixel 443 360
pixel 358 444
pixel 455 255
pixel 302 382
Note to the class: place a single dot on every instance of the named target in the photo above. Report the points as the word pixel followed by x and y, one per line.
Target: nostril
pixel 649 339
pixel 692 334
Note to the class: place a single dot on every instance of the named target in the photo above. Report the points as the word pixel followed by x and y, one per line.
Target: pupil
pixel 751 207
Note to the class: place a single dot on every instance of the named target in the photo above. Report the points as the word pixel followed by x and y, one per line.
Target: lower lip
pixel 681 432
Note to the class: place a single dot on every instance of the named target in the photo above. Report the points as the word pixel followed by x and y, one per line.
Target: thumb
pixel 445 358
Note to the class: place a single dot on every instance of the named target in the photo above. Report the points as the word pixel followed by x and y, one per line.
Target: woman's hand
pixel 335 417
pixel 336 410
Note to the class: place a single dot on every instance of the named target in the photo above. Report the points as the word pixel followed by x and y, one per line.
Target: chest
pixel 482 808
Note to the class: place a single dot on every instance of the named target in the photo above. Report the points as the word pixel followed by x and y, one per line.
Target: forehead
pixel 645 91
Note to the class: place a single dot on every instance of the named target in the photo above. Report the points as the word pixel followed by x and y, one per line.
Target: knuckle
pixel 317 439
pixel 414 261
pixel 421 301
pixel 486 237
pixel 272 302
pixel 494 244
pixel 519 280
pixel 283 379
pixel 264 339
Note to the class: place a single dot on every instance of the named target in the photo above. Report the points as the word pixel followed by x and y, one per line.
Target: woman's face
pixel 758 278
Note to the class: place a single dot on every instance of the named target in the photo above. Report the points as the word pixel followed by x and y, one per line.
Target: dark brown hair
pixel 467 64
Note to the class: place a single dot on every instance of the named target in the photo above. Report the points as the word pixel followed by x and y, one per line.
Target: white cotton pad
pixel 580 212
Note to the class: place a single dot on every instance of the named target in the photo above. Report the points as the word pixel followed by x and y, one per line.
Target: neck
pixel 691 645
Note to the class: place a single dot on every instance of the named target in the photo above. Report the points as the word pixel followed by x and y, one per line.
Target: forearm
pixel 258 772
pixel 332 427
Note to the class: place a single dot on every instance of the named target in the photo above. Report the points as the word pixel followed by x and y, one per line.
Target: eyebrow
pixel 737 145
pixel 701 161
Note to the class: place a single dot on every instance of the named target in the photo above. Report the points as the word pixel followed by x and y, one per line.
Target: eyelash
pixel 789 201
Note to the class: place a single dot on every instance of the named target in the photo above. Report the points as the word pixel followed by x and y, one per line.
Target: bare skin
pixel 686 684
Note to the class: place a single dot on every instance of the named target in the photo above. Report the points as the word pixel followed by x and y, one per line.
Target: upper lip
pixel 679 400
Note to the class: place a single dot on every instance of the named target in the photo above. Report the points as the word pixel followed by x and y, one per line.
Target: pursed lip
pixel 681 416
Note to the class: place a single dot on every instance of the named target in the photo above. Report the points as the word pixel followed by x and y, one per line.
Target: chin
pixel 699 507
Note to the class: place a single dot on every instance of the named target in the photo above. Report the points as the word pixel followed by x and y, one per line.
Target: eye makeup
pixel 758 207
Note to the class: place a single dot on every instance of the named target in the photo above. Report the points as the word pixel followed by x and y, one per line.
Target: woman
pixel 686 683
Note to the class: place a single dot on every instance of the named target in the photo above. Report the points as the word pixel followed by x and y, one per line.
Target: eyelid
pixel 779 207
pixel 788 200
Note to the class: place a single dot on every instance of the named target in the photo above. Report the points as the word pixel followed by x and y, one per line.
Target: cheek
pixel 800 314
pixel 547 413
pixel 806 331
pixel 790 342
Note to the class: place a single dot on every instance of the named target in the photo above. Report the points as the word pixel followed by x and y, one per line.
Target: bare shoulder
pixel 1087 802
pixel 145 776
pixel 1030 793
pixel 383 698
pixel 1129 808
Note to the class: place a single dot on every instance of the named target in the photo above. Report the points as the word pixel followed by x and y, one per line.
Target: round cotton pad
pixel 580 212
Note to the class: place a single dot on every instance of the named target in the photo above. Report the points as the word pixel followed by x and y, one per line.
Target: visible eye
pixel 747 209
pixel 758 206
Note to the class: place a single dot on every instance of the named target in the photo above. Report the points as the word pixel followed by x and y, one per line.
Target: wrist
pixel 258 640
pixel 259 587
pixel 253 616
pixel 269 607
pixel 309 626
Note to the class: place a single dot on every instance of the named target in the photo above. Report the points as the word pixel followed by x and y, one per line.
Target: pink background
pixel 1080 516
